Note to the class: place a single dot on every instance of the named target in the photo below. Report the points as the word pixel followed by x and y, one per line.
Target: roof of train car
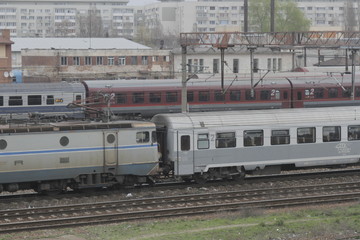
pixel 274 80
pixel 257 117
pixel 72 126
pixel 10 88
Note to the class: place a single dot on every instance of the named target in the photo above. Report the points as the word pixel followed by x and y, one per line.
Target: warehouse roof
pixel 74 43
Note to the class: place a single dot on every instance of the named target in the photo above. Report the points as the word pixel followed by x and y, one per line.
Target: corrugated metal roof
pixel 74 43
pixel 278 117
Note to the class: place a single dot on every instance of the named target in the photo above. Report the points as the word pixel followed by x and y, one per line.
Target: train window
pixel 3 144
pixel 34 100
pixel 155 97
pixel 285 95
pixel 203 141
pixel 357 92
pixel 235 95
pixel 346 92
pixel 64 141
pixel 185 143
pixel 142 137
pixel 15 101
pixel 190 96
pixel 1 101
pixel 153 137
pixel 253 138
pixel 225 140
pixel 331 134
pixel 50 99
pixel 279 137
pixel 138 97
pixel 78 98
pixel 204 96
pixel 333 92
pixel 354 133
pixel 306 135
pixel 264 94
pixel 275 94
pixel 120 98
pixel 249 96
pixel 219 96
pixel 171 97
pixel 299 96
pixel 318 93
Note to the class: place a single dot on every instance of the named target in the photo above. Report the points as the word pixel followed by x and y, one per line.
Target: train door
pixel 111 156
pixel 184 164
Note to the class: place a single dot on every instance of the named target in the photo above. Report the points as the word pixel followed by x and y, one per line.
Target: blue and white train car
pixel 217 145
pixel 82 155
pixel 18 101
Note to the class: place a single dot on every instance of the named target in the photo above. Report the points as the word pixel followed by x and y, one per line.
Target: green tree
pixel 288 17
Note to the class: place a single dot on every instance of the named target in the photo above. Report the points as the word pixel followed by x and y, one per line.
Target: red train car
pixel 149 97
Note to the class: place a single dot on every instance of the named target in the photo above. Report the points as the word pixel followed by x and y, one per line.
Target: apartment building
pixel 6 73
pixel 114 18
pixel 81 18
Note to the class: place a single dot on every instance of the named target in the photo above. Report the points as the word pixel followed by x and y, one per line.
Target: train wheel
pixel 201 178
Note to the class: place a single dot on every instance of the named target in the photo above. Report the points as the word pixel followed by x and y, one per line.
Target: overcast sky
pixel 141 2
pixel 144 2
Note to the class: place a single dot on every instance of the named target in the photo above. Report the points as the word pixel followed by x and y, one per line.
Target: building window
pixel 235 65
pixel 110 60
pixel 99 60
pixel 76 61
pixel 134 60
pixel 88 61
pixel 256 65
pixel 1 101
pixel 64 61
pixel 215 65
pixel 144 60
pixel 122 61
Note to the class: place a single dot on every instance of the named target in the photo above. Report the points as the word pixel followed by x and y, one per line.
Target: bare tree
pixel 350 22
pixel 90 24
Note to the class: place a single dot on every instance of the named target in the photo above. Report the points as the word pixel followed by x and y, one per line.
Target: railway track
pixel 173 206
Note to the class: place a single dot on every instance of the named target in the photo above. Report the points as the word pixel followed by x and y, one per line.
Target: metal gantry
pixel 285 40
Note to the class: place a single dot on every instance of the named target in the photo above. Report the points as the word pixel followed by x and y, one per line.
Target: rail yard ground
pixel 325 222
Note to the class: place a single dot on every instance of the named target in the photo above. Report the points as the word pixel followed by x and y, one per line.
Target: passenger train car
pixel 18 101
pixel 179 146
pixel 145 98
pixel 292 90
pixel 213 145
